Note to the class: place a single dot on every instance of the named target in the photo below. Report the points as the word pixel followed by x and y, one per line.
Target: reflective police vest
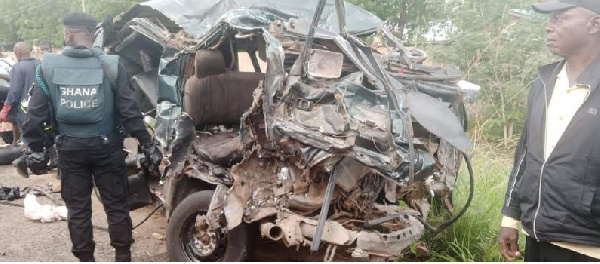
pixel 82 98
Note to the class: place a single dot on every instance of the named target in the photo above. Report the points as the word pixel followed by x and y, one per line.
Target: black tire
pixel 233 247
pixel 9 154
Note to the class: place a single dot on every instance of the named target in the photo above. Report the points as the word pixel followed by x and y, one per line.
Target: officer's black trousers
pixel 106 166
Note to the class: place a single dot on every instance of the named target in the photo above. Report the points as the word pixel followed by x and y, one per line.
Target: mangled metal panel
pixel 390 244
pixel 166 115
pixel 340 116
pixel 447 92
pixel 141 42
pixel 437 118
pixel 355 114
pixel 146 89
pixel 196 18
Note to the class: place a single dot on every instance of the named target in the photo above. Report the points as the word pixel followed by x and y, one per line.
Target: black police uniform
pixel 84 160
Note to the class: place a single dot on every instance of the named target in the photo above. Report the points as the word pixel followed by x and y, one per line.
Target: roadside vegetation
pixel 473 236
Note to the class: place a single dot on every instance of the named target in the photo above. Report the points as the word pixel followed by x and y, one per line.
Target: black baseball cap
pixel 79 19
pixel 562 5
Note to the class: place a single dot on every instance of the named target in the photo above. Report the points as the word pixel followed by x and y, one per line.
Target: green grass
pixel 473 236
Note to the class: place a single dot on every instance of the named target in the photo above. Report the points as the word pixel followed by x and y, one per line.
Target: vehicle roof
pixel 197 19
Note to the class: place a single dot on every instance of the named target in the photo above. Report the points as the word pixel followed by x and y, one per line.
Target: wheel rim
pixel 198 243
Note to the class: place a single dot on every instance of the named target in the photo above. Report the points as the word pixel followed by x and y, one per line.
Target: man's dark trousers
pixel 107 167
pixel 543 252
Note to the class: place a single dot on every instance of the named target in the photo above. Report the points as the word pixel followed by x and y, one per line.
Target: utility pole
pixel 83 6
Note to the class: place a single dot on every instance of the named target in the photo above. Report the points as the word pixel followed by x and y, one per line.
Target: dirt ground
pixel 24 240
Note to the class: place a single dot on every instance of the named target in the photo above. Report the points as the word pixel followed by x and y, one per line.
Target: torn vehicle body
pixel 313 146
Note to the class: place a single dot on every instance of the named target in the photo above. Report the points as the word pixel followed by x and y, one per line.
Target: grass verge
pixel 473 236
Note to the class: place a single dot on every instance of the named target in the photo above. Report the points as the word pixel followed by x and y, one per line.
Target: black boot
pixel 86 257
pixel 123 254
pixel 90 259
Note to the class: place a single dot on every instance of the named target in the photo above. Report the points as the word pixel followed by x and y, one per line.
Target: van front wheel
pixel 188 238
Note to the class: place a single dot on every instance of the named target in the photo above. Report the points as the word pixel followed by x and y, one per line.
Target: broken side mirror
pixel 325 64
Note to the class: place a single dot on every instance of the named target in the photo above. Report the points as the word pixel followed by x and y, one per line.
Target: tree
pixel 34 20
pixel 500 51
pixel 410 18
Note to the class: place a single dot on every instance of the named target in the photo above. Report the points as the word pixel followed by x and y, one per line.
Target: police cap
pixel 563 5
pixel 79 19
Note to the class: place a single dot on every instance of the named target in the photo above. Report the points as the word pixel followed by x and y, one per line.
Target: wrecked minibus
pixel 281 124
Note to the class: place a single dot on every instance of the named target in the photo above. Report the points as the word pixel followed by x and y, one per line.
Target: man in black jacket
pixel 554 187
pixel 22 76
pixel 80 98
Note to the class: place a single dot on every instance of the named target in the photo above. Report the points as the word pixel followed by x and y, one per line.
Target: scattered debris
pixel 421 250
pixel 44 213
pixel 9 193
pixel 9 153
pixel 37 190
pixel 139 192
pixel 158 236
pixel 56 189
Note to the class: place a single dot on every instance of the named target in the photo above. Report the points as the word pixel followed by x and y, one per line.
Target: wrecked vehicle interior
pixel 281 124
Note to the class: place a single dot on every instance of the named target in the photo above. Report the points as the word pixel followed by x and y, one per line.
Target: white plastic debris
pixel 44 213
pixel 62 212
pixel 470 90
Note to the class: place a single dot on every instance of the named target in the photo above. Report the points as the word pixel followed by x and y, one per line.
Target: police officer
pixel 79 101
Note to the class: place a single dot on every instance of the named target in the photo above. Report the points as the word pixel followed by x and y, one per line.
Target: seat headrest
pixel 209 62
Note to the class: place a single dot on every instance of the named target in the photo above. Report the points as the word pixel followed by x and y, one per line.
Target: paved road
pixel 24 240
